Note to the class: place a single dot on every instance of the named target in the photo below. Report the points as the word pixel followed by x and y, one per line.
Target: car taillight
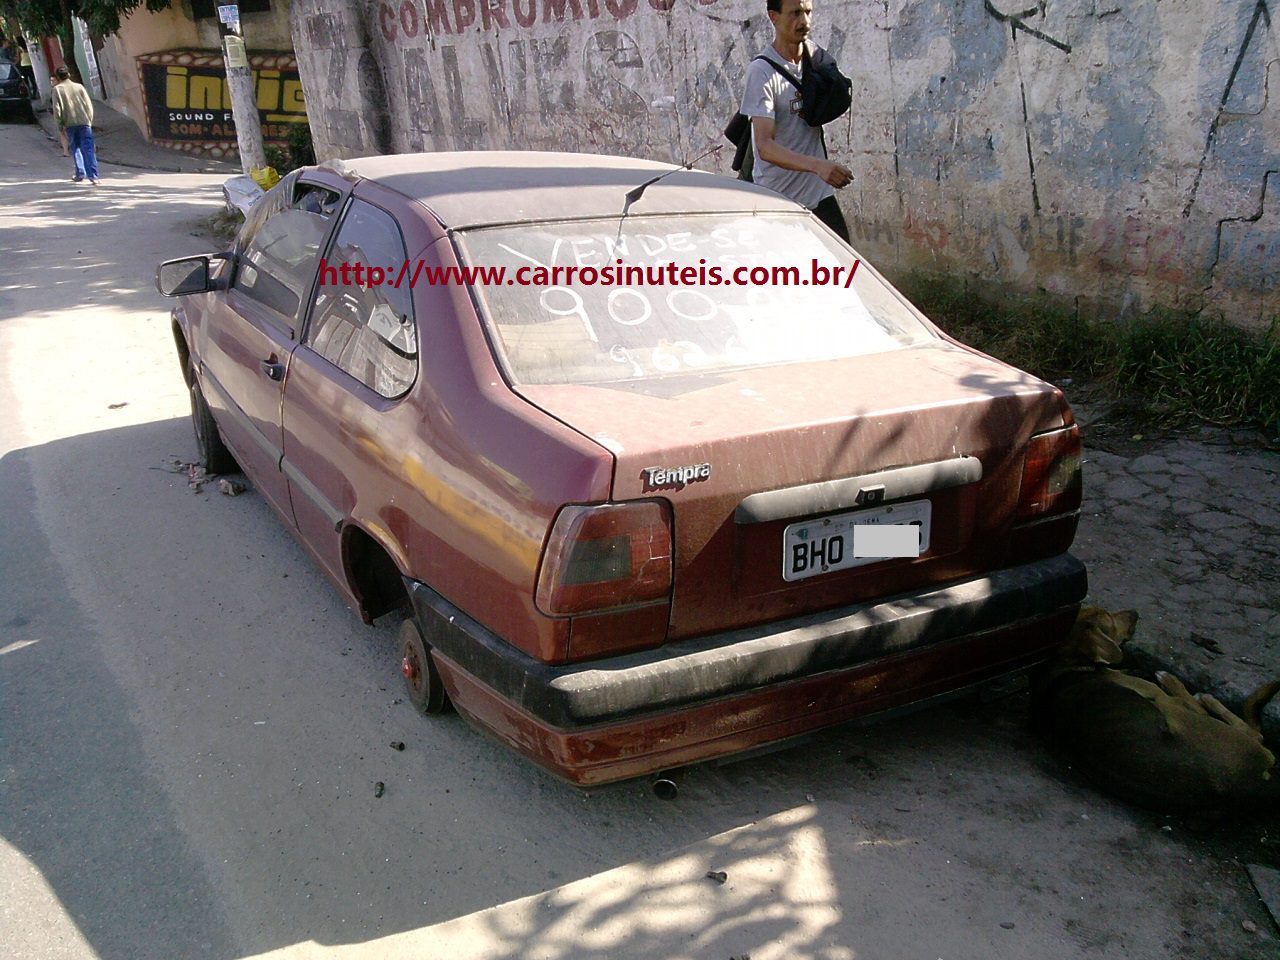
pixel 606 556
pixel 1051 474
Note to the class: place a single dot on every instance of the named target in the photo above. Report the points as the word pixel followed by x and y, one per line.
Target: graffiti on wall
pixel 437 18
pixel 1018 20
pixel 1053 145
pixel 188 102
pixel 1128 246
pixel 544 74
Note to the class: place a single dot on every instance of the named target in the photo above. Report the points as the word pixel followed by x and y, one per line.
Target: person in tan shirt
pixel 25 68
pixel 74 112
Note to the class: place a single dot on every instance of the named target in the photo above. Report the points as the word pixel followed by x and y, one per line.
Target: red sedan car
pixel 660 470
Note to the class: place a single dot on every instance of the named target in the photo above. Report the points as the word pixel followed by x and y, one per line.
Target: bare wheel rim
pixel 422 680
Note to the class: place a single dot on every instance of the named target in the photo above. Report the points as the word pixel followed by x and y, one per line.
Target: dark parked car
pixel 15 95
pixel 640 518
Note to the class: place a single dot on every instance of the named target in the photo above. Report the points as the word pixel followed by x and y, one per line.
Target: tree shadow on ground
pixel 67 244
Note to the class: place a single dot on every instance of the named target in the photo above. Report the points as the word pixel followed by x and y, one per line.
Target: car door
pixel 251 335
pixel 345 428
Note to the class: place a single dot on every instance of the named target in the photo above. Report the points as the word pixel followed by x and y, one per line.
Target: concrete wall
pixel 145 32
pixel 1120 152
pixel 266 30
pixel 142 32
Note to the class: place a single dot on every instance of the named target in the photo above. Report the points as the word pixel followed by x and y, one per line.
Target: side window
pixel 281 243
pixel 366 330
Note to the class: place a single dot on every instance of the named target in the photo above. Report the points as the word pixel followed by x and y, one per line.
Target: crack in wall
pixel 1026 126
pixel 893 102
pixel 1266 95
pixel 1017 21
pixel 1217 241
pixel 1260 12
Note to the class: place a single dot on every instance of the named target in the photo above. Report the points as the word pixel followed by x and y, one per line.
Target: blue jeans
pixel 80 143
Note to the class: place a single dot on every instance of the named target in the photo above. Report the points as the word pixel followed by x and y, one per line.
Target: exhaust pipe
pixel 665 786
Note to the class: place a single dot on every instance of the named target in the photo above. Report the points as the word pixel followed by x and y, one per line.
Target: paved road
pixel 192 725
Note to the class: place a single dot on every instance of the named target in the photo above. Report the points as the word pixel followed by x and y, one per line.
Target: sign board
pixel 188 102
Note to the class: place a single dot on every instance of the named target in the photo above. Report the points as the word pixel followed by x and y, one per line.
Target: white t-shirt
pixel 770 95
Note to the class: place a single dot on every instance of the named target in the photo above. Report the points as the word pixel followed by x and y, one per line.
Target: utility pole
pixel 244 102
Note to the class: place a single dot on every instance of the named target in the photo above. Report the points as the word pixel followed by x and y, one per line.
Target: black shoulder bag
pixel 825 95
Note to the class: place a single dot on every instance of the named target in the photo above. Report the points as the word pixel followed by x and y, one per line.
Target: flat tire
pixel 214 455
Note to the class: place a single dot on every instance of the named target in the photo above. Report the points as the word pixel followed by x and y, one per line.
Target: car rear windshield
pixel 587 302
pixel 8 71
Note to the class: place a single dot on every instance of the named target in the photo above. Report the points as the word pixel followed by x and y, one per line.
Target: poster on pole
pixel 229 17
pixel 236 55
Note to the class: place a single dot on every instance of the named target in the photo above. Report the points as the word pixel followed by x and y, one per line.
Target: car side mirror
pixel 176 278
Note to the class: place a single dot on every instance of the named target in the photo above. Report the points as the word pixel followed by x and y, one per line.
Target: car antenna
pixel 635 193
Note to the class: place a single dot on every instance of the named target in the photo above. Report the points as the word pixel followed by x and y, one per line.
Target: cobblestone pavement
pixel 1185 529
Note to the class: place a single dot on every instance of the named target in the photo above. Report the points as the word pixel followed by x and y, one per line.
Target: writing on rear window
pixel 580 332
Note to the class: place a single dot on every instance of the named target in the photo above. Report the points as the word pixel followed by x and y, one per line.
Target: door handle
pixel 272 368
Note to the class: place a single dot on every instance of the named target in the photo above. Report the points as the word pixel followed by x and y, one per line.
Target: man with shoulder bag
pixel 792 89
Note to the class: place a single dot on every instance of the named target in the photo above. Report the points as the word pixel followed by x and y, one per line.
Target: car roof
pixel 486 188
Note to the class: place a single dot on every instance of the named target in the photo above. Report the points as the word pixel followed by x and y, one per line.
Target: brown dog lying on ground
pixel 1155 745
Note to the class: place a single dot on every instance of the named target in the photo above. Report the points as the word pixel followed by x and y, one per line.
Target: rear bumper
pixel 694 699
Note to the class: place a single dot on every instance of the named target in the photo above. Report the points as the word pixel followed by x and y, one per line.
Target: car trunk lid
pixel 761 463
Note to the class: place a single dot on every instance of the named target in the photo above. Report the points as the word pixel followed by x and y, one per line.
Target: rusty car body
pixel 623 516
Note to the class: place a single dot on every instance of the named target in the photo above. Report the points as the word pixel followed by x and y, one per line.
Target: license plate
pixel 824 546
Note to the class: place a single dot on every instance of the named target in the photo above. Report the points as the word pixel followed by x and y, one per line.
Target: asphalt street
pixel 192 723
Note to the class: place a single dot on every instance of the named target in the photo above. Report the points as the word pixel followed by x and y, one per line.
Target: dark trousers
pixel 828 211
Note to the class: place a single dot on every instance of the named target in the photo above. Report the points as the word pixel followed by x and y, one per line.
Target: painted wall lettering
pixel 1052 148
pixel 188 101
pixel 456 17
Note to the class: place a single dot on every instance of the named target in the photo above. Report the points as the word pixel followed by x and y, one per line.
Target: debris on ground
pixel 397 745
pixel 117 406
pixel 230 488
pixel 1208 643
pixel 222 226
pixel 379 788
pixel 719 876
pixel 197 475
